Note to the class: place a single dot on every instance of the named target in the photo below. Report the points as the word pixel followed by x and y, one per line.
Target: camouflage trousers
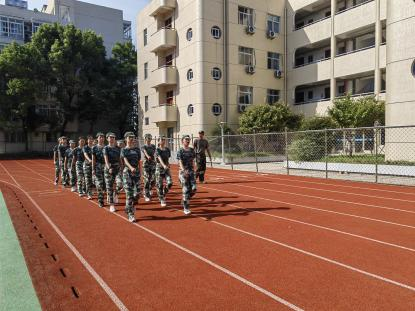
pixel 57 171
pixel 80 177
pixel 131 182
pixel 118 181
pixel 64 174
pixel 110 180
pixel 99 181
pixel 149 178
pixel 200 166
pixel 88 177
pixel 72 174
pixel 188 182
pixel 161 176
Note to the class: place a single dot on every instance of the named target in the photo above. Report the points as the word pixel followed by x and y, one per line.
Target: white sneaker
pixel 89 197
pixel 55 183
pixel 112 208
pixel 81 195
pixel 147 199
pixel 131 218
pixel 73 189
pixel 186 211
pixel 115 198
pixel 163 203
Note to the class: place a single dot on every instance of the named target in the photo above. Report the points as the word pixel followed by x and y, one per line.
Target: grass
pixel 364 159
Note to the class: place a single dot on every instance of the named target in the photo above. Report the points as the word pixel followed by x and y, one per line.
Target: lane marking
pixel 84 262
pixel 205 260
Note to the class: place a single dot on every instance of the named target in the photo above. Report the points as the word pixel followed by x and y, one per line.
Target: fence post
pixel 230 151
pixel 376 153
pixel 286 151
pixel 326 152
pixel 256 158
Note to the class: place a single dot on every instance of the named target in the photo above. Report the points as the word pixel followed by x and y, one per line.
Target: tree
pixel 122 86
pixel 21 88
pixel 318 123
pixel 268 118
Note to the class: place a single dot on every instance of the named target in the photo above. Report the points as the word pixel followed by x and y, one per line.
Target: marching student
pixel 98 164
pixel 61 153
pixel 79 160
pixel 131 156
pixel 186 156
pixel 118 179
pixel 201 146
pixel 112 167
pixel 56 161
pixel 87 167
pixel 69 164
pixel 163 155
pixel 149 166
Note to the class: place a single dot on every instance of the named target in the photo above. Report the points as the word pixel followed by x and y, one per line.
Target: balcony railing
pixel 312 101
pixel 355 51
pixel 314 62
pixel 162 7
pixel 353 7
pixel 165 38
pixel 314 22
pixel 164 75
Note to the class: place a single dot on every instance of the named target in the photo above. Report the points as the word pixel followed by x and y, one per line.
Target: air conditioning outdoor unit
pixel 278 74
pixel 250 29
pixel 271 34
pixel 250 69
pixel 241 108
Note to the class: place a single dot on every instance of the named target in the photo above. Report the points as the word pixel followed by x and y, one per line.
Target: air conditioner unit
pixel 271 34
pixel 250 69
pixel 242 108
pixel 250 29
pixel 278 74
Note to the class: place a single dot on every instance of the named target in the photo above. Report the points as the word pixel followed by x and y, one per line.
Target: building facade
pixel 204 62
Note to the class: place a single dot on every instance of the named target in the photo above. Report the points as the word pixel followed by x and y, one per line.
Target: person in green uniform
pixel 163 155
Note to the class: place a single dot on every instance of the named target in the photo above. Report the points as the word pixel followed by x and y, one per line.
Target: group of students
pixel 117 166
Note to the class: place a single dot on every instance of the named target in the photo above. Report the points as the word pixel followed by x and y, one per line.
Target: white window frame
pixel 245 16
pixel 35 26
pixel 273 23
pixel 216 73
pixel 189 34
pixel 245 55
pixel 246 93
pixel 12 28
pixel 273 96
pixel 169 98
pixel 189 74
pixel 217 109
pixel 216 32
pixel 190 110
pixel 273 61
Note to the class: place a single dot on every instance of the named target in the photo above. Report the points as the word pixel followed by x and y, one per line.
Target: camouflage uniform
pixel 80 159
pixel 200 146
pixel 130 180
pixel 97 151
pixel 64 173
pixel 149 169
pixel 187 176
pixel 69 155
pixel 113 154
pixel 163 174
pixel 87 167
pixel 56 163
pixel 118 178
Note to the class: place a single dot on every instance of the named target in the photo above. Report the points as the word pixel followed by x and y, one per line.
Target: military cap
pixel 148 136
pixel 63 137
pixel 129 134
pixel 162 137
pixel 201 132
pixel 185 137
pixel 72 141
pixel 100 134
pixel 120 141
pixel 109 134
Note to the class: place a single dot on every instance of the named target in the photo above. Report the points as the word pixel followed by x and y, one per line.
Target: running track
pixel 253 242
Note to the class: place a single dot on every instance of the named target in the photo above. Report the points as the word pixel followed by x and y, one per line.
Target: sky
pixel 130 7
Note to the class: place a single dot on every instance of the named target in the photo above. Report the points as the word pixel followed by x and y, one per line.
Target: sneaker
pixel 163 203
pixel 101 204
pixel 147 199
pixel 108 199
pixel 186 211
pixel 73 189
pixel 112 208
pixel 131 218
pixel 89 197
pixel 55 183
pixel 81 195
pixel 115 198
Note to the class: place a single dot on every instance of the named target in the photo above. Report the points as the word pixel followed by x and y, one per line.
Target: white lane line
pixel 325 198
pixel 313 208
pixel 205 260
pixel 277 177
pixel 84 262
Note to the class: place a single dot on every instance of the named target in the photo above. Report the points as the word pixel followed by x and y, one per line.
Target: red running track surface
pixel 253 242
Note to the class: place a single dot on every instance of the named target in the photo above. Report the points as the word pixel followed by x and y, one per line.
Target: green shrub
pixel 306 149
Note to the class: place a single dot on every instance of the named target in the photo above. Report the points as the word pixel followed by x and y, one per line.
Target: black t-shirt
pixel 151 150
pixel 163 154
pixel 69 154
pixel 62 150
pixel 79 154
pixel 99 155
pixel 88 151
pixel 187 157
pixel 133 155
pixel 113 154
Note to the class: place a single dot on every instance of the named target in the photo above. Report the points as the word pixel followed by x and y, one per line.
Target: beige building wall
pixel 201 54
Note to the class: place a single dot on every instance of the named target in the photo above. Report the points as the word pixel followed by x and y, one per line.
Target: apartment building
pixel 204 62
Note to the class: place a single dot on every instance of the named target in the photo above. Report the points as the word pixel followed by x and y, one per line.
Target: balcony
pixel 356 17
pixel 164 113
pixel 158 7
pixel 355 62
pixel 163 76
pixel 311 72
pixel 163 39
pixel 311 33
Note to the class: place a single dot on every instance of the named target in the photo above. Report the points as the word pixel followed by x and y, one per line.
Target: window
pixel 146 103
pixel 244 95
pixel 246 55
pixel 190 110
pixel 273 96
pixel 310 58
pixel 15 137
pixel 189 34
pixel 245 16
pixel 190 75
pixel 145 37
pixel 327 53
pixel 273 61
pixel 413 68
pixel 326 92
pixel 299 61
pixel 216 109
pixel 216 32
pixel 146 121
pixel 273 23
pixel 310 94
pixel 46 110
pixel 168 23
pixel 127 31
pixel 169 98
pixel 11 27
pixel 35 27
pixel 340 90
pixel 216 73
pixel 299 97
pixel 169 60
pixel 327 14
pixel 145 71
